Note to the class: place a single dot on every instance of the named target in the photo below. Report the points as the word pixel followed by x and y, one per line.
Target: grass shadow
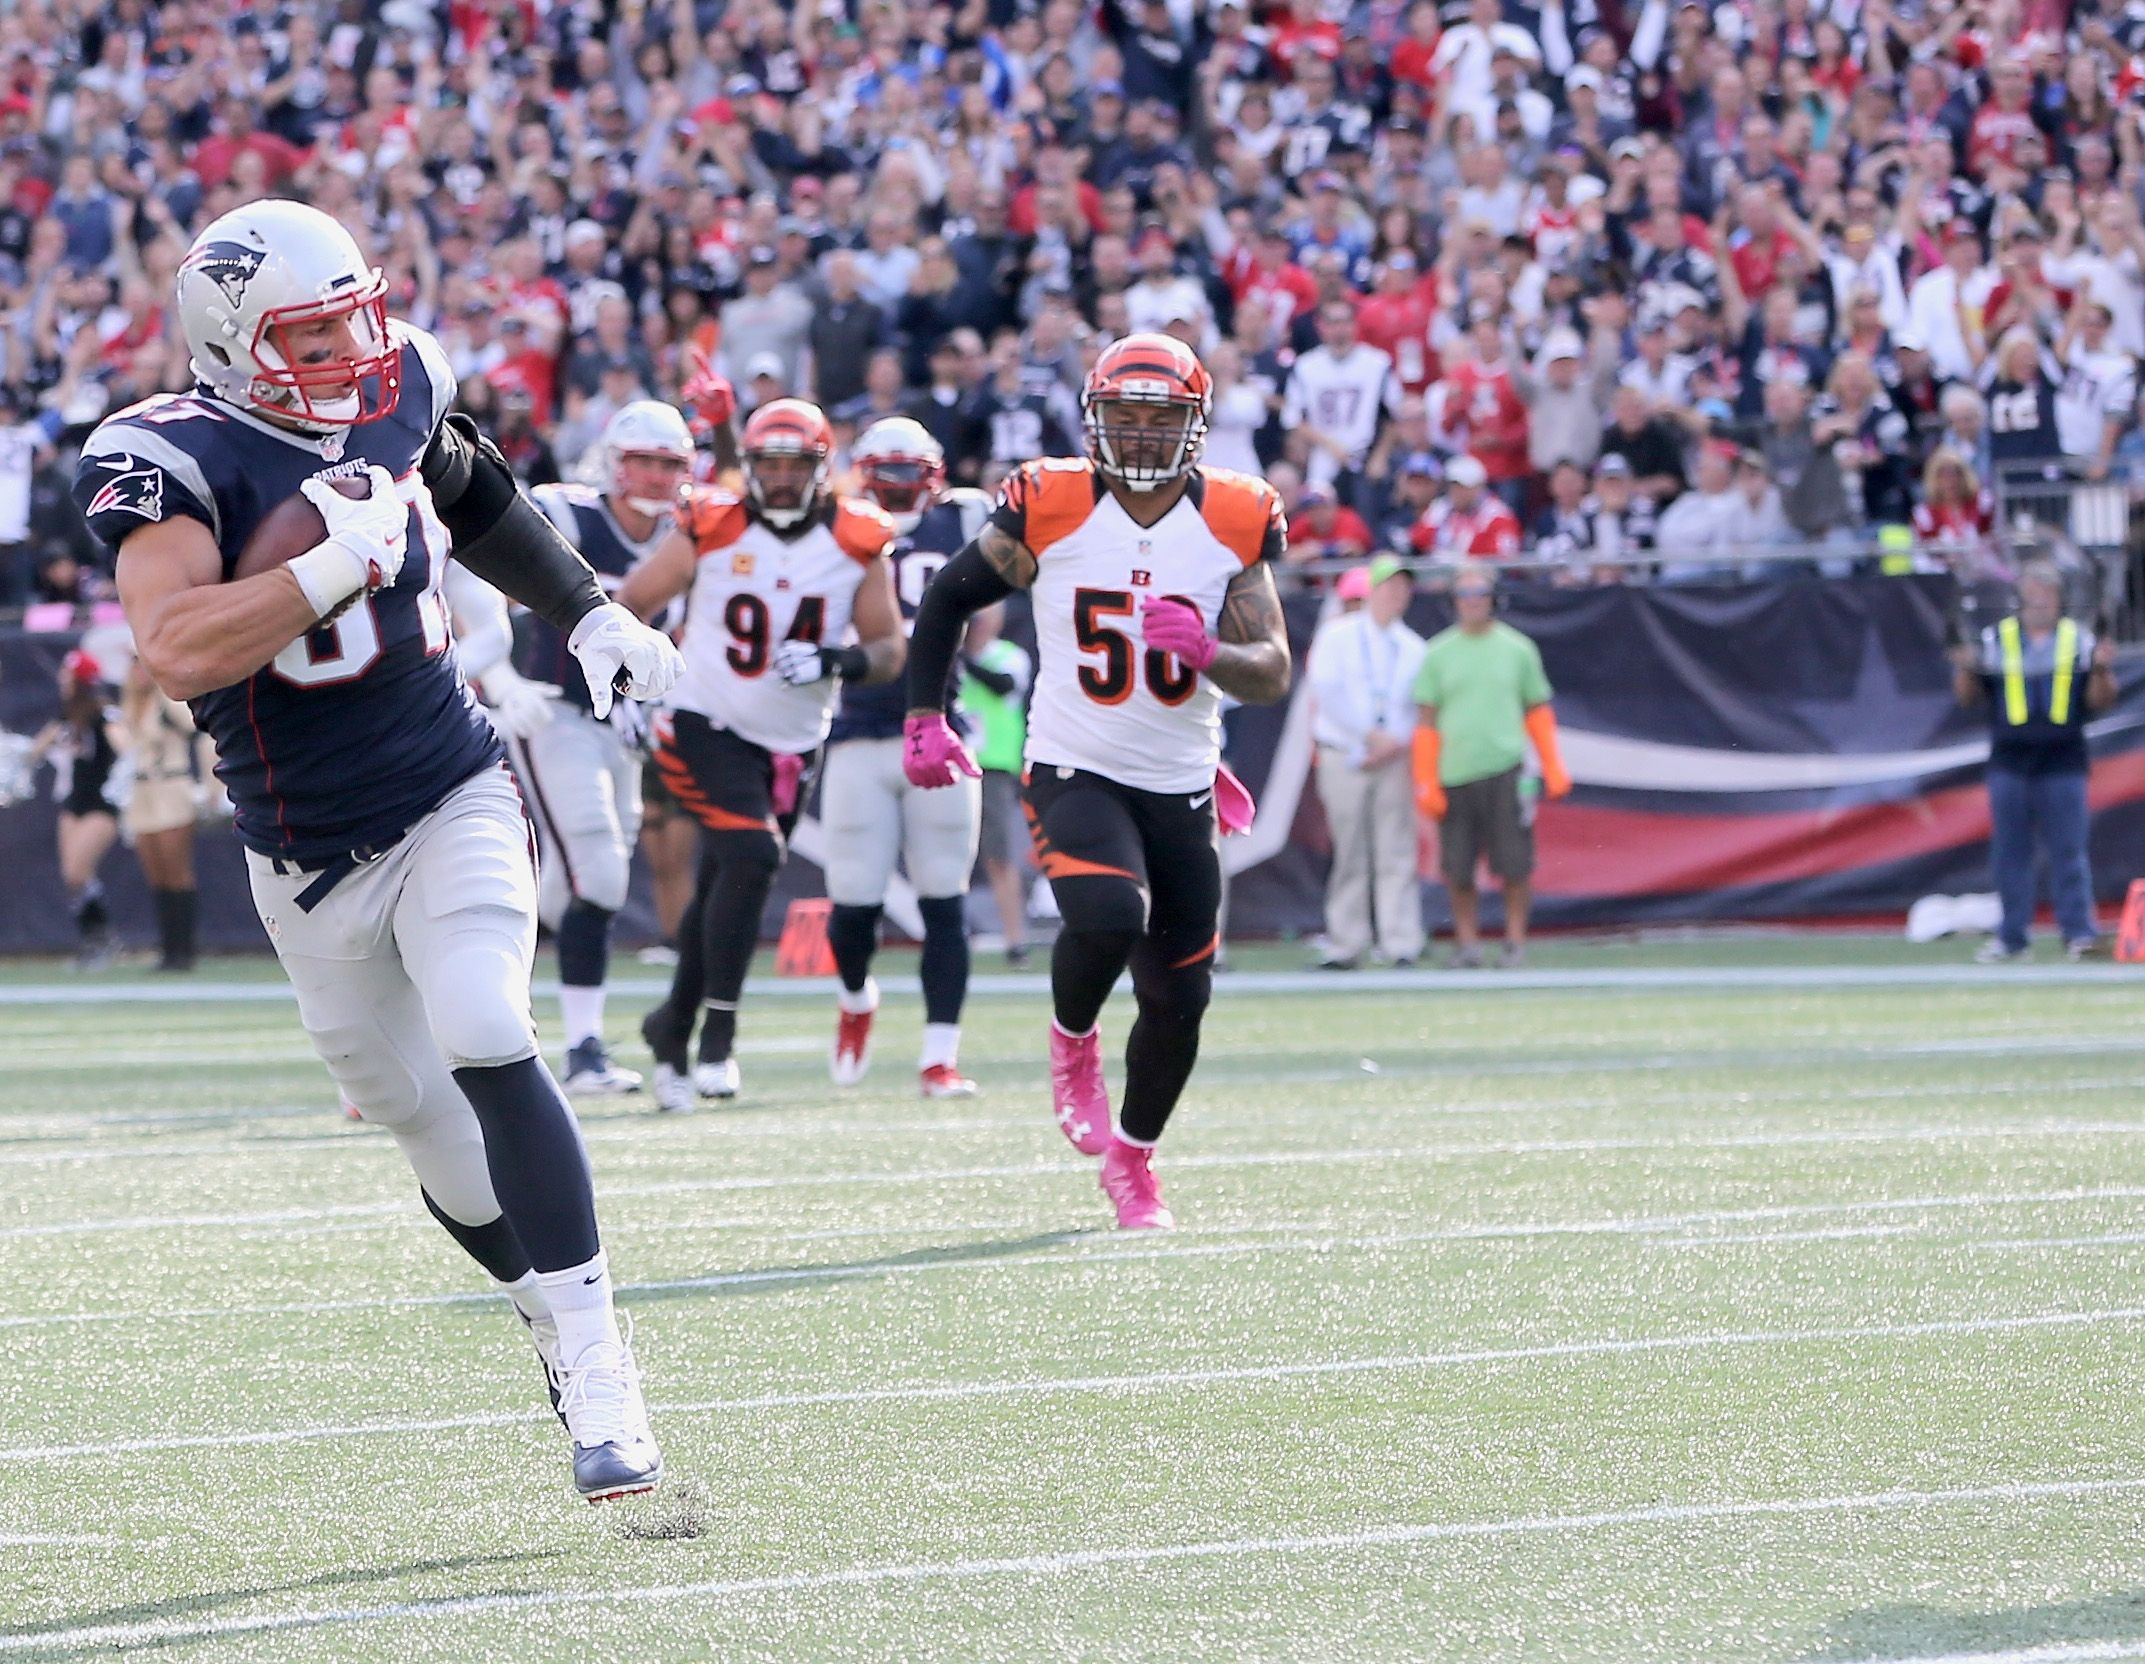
pixel 770 1279
pixel 185 1606
pixel 1923 1631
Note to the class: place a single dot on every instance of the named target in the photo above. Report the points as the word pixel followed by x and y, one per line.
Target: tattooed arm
pixel 1252 662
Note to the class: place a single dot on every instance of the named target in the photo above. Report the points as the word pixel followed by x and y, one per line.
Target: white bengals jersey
pixel 1104 701
pixel 751 592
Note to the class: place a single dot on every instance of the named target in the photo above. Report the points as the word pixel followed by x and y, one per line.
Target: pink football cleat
pixel 1077 1095
pixel 1129 1182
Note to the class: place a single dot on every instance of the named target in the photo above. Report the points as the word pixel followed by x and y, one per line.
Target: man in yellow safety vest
pixel 2041 675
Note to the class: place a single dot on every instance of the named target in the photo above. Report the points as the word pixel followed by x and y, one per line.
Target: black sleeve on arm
pixel 499 534
pixel 997 681
pixel 965 585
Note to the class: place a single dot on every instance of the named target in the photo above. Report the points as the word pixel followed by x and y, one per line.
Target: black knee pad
pixel 943 916
pixel 1103 903
pixel 584 944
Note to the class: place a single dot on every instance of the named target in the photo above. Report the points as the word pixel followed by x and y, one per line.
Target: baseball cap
pixel 1908 340
pixel 1107 89
pixel 1354 584
pixel 583 231
pixel 764 364
pixel 1562 343
pixel 1627 147
pixel 761 255
pixel 1425 463
pixel 1384 567
pixel 1586 75
pixel 1314 495
pixel 1466 470
pixel 1614 463
pixel 806 184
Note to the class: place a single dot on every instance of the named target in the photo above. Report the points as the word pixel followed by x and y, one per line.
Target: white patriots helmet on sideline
pixel 902 468
pixel 646 427
pixel 260 270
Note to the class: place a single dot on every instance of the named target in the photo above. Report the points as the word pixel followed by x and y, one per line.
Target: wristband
pixel 330 574
pixel 849 663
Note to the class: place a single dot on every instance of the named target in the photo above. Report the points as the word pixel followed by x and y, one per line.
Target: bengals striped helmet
pixel 786 428
pixel 903 468
pixel 1129 380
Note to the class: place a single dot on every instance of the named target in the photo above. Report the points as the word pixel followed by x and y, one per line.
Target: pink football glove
pixel 1175 627
pixel 789 775
pixel 709 399
pixel 932 753
pixel 1234 810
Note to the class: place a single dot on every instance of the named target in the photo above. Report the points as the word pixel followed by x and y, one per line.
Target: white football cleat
pixel 717 1080
pixel 673 1091
pixel 591 1073
pixel 614 1451
pixel 852 1047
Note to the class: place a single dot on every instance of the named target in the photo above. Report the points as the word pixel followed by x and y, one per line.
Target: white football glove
pixel 516 705
pixel 367 539
pixel 799 663
pixel 609 641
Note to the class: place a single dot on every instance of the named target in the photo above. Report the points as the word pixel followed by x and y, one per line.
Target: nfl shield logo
pixel 741 563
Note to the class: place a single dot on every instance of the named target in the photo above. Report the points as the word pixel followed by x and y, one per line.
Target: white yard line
pixel 1169 1380
pixel 2059 1652
pixel 1041 1169
pixel 1182 1245
pixel 16 1539
pixel 1060 1562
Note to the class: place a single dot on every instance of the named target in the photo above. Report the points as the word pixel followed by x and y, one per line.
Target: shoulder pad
pixel 1242 512
pixel 1048 499
pixel 712 517
pixel 438 370
pixel 864 530
pixel 975 507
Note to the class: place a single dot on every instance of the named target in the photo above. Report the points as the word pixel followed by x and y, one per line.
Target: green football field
pixel 1662 1317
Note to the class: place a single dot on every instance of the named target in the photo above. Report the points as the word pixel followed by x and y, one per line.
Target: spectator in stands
pixel 2093 405
pixel 771 316
pixel 2022 404
pixel 1322 528
pixel 1336 396
pixel 1468 522
pixel 2039 675
pixel 845 329
pixel 1955 514
pixel 1415 488
pixel 1363 670
pixel 1480 696
pixel 1564 401
pixel 1647 443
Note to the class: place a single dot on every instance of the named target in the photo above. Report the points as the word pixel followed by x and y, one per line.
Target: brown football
pixel 290 528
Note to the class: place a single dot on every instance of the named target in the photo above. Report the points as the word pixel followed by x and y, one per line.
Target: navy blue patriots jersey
pixel 586 521
pixel 875 713
pixel 360 728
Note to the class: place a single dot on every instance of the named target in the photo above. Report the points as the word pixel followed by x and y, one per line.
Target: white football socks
pixel 863 1000
pixel 580 1301
pixel 582 1011
pixel 942 1044
pixel 528 1297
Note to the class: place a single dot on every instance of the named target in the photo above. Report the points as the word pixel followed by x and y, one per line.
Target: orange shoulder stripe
pixel 713 518
pixel 1239 510
pixel 864 530
pixel 1054 498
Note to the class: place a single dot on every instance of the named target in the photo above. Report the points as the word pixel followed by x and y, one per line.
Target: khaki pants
pixel 1372 814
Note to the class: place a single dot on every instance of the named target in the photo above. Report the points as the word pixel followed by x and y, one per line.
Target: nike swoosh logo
pixel 591 1282
pixel 1199 802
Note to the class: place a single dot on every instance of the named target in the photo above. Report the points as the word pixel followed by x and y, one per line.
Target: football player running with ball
pixel 389 856
pixel 872 815
pixel 581 774
pixel 1129 555
pixel 780 579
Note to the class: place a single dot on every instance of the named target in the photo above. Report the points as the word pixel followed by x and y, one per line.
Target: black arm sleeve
pixel 997 681
pixel 499 534
pixel 965 585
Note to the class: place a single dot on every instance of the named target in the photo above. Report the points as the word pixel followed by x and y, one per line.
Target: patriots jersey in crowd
pixel 875 713
pixel 360 728
pixel 586 521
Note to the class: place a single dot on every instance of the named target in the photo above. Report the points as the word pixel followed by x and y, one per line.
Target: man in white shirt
pixel 2114 274
pixel 2099 387
pixel 1363 667
pixel 1945 306
pixel 1465 53
pixel 1336 393
pixel 1164 296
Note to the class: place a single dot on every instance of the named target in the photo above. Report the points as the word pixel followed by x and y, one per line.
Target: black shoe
pixel 1335 965
pixel 1016 958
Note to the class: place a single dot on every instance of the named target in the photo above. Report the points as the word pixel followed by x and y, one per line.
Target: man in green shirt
pixel 996 675
pixel 1480 696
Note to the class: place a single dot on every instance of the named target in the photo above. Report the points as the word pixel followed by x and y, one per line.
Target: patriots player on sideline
pixel 1127 553
pixel 870 813
pixel 582 774
pixel 390 859
pixel 777 577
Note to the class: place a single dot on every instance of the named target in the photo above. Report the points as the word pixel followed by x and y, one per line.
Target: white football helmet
pixel 901 467
pixel 261 271
pixel 646 427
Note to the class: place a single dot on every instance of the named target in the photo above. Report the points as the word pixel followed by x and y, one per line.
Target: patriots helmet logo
pixel 228 265
pixel 134 488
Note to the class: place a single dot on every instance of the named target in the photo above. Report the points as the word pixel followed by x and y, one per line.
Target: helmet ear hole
pixel 219 355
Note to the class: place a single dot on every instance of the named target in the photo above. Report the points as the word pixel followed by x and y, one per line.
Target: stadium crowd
pixel 1591 279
